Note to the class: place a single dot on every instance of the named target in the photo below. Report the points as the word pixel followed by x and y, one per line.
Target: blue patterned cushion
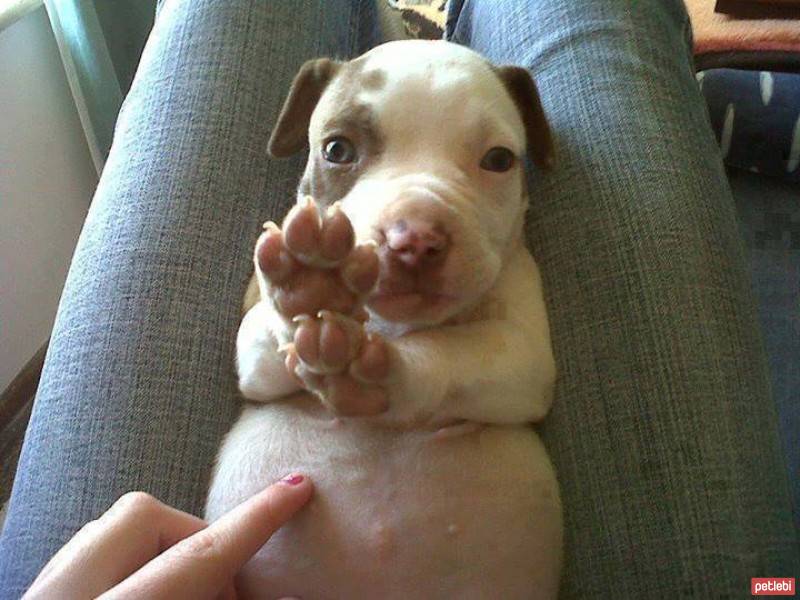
pixel 756 116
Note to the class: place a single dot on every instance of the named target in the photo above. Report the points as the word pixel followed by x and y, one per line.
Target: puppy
pixel 395 345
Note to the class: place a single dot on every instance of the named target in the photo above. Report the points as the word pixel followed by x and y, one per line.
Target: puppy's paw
pixel 311 263
pixel 346 368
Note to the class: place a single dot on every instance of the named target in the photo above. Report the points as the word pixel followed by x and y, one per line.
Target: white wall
pixel 46 183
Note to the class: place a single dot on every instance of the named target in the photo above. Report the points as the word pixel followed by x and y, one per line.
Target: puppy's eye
pixel 498 159
pixel 339 150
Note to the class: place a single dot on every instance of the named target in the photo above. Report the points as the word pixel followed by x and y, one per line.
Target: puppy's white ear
pixel 291 130
pixel 520 86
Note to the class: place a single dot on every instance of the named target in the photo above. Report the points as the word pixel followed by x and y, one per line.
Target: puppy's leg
pixel 497 369
pixel 262 374
pixel 311 264
pixel 487 371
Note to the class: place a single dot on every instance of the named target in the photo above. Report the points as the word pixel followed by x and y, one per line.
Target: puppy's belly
pixel 395 514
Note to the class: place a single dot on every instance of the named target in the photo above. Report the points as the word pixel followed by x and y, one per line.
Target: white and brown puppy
pixel 411 319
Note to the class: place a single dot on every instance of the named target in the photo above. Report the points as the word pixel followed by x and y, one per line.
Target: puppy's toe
pixel 337 237
pixel 327 344
pixel 272 258
pixel 302 230
pixel 340 340
pixel 306 339
pixel 350 398
pixel 361 269
pixel 313 382
pixel 372 364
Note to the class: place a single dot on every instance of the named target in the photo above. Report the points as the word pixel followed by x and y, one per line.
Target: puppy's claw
pixel 271 227
pixel 347 322
pixel 337 236
pixel 333 209
pixel 301 318
pixel 307 202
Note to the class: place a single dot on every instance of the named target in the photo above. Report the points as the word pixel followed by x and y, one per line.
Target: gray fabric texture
pixel 663 431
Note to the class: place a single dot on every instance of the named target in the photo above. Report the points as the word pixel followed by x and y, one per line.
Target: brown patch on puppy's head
pixel 373 80
pixel 339 84
pixel 356 122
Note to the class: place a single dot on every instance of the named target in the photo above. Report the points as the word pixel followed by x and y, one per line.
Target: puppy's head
pixel 422 143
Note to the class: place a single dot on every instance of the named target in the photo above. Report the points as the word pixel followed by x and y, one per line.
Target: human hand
pixel 142 548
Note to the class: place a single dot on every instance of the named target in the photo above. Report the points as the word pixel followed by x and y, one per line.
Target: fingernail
pixel 293 479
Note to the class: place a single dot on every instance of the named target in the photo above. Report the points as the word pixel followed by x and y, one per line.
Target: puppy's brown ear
pixel 520 86
pixel 291 130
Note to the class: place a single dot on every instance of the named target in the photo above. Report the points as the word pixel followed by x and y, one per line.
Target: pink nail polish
pixel 293 479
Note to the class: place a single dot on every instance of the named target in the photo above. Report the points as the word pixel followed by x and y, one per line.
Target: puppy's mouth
pixel 406 301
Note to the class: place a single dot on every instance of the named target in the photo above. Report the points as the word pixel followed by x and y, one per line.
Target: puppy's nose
pixel 417 243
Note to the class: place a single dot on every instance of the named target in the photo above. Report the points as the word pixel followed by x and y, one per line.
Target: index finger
pixel 202 564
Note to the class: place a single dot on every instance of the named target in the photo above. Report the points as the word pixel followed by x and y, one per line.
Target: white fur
pixel 428 509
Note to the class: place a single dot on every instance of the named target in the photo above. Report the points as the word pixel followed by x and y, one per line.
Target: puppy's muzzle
pixel 415 232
